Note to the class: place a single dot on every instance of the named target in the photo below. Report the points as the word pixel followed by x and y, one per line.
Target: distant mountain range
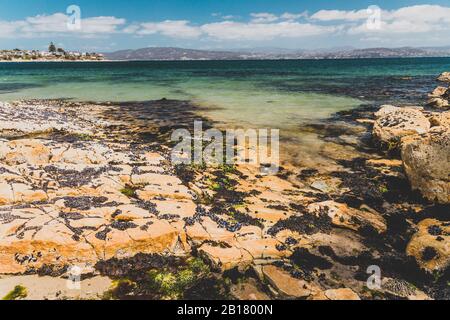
pixel 171 54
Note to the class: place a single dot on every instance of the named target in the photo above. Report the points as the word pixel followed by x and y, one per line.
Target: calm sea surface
pixel 275 94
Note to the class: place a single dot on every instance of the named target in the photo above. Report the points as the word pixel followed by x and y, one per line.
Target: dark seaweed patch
pixel 84 203
pixel 304 224
pixel 308 261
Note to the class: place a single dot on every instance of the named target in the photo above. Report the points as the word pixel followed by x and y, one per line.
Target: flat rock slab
pixel 77 203
pixel 50 288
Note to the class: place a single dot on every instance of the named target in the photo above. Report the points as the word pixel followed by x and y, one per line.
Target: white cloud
pixel 170 28
pixel 263 17
pixel 409 20
pixel 336 15
pixel 413 19
pixel 293 16
pixel 56 24
pixel 46 23
pixel 423 13
pixel 8 29
pixel 229 30
pixel 396 26
pixel 102 25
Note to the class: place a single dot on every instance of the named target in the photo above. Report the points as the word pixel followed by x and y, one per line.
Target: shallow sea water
pixel 285 95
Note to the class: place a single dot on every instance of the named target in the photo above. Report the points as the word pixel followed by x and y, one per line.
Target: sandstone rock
pixel 155 179
pixel 50 288
pixel 438 92
pixel 151 236
pixel 6 194
pixel 393 123
pixel 181 208
pixel 197 234
pixel 342 294
pixel 25 194
pixel 430 246
pixel 52 245
pixel 444 77
pixel 441 119
pixel 248 290
pixel 345 217
pixel 215 232
pixel 21 119
pixel 163 190
pixel 130 213
pixel 438 102
pixel 153 158
pixel 90 154
pixel 264 248
pixel 225 258
pixel 285 284
pixel 427 163
pixel 249 233
pixel 32 152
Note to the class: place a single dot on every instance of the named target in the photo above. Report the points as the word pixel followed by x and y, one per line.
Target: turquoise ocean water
pixel 274 94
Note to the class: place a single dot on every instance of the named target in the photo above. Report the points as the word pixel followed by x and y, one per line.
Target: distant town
pixel 53 54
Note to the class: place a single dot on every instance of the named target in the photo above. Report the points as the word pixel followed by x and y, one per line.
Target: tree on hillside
pixel 52 48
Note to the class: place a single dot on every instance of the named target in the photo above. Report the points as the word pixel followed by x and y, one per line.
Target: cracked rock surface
pixel 92 185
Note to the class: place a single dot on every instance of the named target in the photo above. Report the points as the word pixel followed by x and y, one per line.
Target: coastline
pixel 38 61
pixel 119 209
pixel 212 60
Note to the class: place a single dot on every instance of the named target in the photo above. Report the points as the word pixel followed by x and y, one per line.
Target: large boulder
pixel 393 123
pixel 444 77
pixel 426 160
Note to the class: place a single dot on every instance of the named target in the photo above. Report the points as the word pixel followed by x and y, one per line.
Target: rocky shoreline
pixel 91 185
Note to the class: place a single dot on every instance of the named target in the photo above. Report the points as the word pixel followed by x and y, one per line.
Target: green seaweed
pixel 129 191
pixel 173 284
pixel 19 292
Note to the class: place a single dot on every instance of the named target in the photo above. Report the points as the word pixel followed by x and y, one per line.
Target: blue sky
pixel 225 24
